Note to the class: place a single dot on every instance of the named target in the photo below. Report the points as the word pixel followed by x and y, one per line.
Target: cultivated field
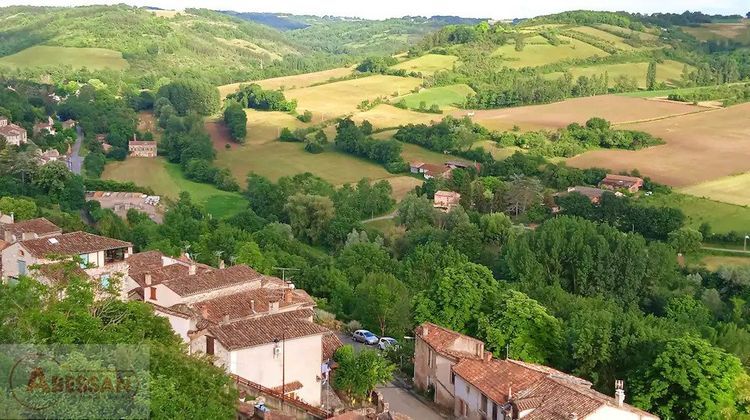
pixel 90 58
pixel 700 147
pixel 617 109
pixel 388 116
pixel 669 72
pixel 403 185
pixel 166 180
pixel 339 98
pixel 730 189
pixel 443 96
pixel 714 262
pixel 290 82
pixel 642 35
pixel 428 63
pixel 539 52
pixel 147 122
pixel 739 32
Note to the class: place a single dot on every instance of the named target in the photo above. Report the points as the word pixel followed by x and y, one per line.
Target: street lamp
pixel 744 246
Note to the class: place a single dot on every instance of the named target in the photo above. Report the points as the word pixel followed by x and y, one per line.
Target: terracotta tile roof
pixel 11 130
pixel 435 170
pixel 257 331
pixel 331 343
pixel 144 261
pixel 442 340
pixel 251 302
pixel 212 280
pixel 72 244
pixel 288 387
pixel 179 310
pixel 40 226
pixel 589 192
pixel 551 394
pixel 622 179
pixel 152 262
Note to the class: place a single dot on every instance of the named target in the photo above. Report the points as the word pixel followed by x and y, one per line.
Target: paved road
pixel 399 399
pixel 75 162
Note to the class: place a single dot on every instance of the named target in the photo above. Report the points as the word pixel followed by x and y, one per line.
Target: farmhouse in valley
pixel 593 194
pixel 431 170
pixel 46 127
pixel 474 385
pixel 621 182
pixel 68 124
pixel 139 148
pixel 446 200
pixel 12 133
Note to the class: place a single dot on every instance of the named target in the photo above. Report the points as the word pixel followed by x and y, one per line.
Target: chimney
pixel 488 356
pixel 573 416
pixel 147 279
pixel 619 392
pixel 191 269
pixel 252 305
pixel 225 319
pixel 204 312
pixel 221 264
pixel 510 393
pixel 287 295
pixel 273 307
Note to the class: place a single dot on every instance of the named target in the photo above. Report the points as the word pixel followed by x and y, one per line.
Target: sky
pixel 380 9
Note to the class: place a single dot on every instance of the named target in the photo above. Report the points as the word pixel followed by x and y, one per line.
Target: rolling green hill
pixel 196 44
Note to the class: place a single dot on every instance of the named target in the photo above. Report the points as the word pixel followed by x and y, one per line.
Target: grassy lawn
pixel 334 99
pixel 383 225
pixel 615 40
pixel 91 58
pixel 539 52
pixel 660 93
pixel 730 189
pixel 428 63
pixel 166 179
pixel 723 217
pixel 669 72
pixel 499 153
pixel 713 262
pixel 441 96
pixel 389 116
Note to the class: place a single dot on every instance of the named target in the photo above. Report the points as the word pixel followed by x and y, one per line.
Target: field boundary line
pixel 665 117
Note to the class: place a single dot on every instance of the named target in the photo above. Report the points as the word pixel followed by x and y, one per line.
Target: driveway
pixel 75 161
pixel 397 395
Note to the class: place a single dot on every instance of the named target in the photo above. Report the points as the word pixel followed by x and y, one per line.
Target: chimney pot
pixel 147 279
pixel 252 305
pixel 287 295
pixel 619 392
pixel 225 319
pixel 191 269
pixel 221 264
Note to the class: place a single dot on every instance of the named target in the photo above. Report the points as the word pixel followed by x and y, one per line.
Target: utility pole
pixel 284 270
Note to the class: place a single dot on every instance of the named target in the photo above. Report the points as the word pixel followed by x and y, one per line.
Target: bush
pixel 305 117
pixel 397 167
pixel 236 121
pixel 313 147
pixel 352 326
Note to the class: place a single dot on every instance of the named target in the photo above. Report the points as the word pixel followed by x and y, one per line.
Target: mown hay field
pixel 290 82
pixel 389 116
pixel 722 217
pixel 428 63
pixel 699 147
pixel 616 109
pixel 43 56
pixel 539 52
pixel 730 189
pixel 339 98
pixel 669 72
pixel 612 39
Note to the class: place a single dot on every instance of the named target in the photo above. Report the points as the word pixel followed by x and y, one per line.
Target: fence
pixel 298 408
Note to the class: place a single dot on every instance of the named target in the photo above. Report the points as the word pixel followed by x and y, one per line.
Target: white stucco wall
pixel 614 413
pixel 164 296
pixel 471 396
pixel 180 326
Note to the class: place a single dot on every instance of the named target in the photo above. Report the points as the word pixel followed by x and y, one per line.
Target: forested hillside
pixel 196 44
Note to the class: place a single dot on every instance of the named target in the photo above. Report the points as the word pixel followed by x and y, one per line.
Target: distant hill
pixel 156 44
pixel 282 22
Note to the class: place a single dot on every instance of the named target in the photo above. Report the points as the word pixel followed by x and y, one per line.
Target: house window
pixel 464 408
pixel 104 280
pixel 20 251
pixel 429 358
pixel 209 345
pixel 21 267
pixel 468 389
pixel 84 260
pixel 494 410
pixel 112 255
pixel 152 291
pixel 483 408
pixel 453 378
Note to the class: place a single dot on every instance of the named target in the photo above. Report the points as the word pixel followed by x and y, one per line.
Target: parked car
pixel 387 342
pixel 364 336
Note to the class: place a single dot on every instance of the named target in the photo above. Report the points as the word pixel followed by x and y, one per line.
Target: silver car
pixel 387 342
pixel 365 336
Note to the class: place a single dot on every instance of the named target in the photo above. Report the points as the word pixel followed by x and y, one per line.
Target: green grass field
pixel 428 63
pixel 660 93
pixel 669 72
pixel 730 189
pixel 166 179
pixel 442 96
pixel 642 35
pixel 723 217
pixel 539 52
pixel 91 58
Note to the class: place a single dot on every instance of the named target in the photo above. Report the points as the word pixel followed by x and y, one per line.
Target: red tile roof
pixel 40 226
pixel 331 343
pixel 551 394
pixel 257 331
pixel 142 143
pixel 212 280
pixel 251 302
pixel 288 387
pixel 442 340
pixel 73 243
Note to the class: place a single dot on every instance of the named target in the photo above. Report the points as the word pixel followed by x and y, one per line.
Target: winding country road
pixel 75 161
